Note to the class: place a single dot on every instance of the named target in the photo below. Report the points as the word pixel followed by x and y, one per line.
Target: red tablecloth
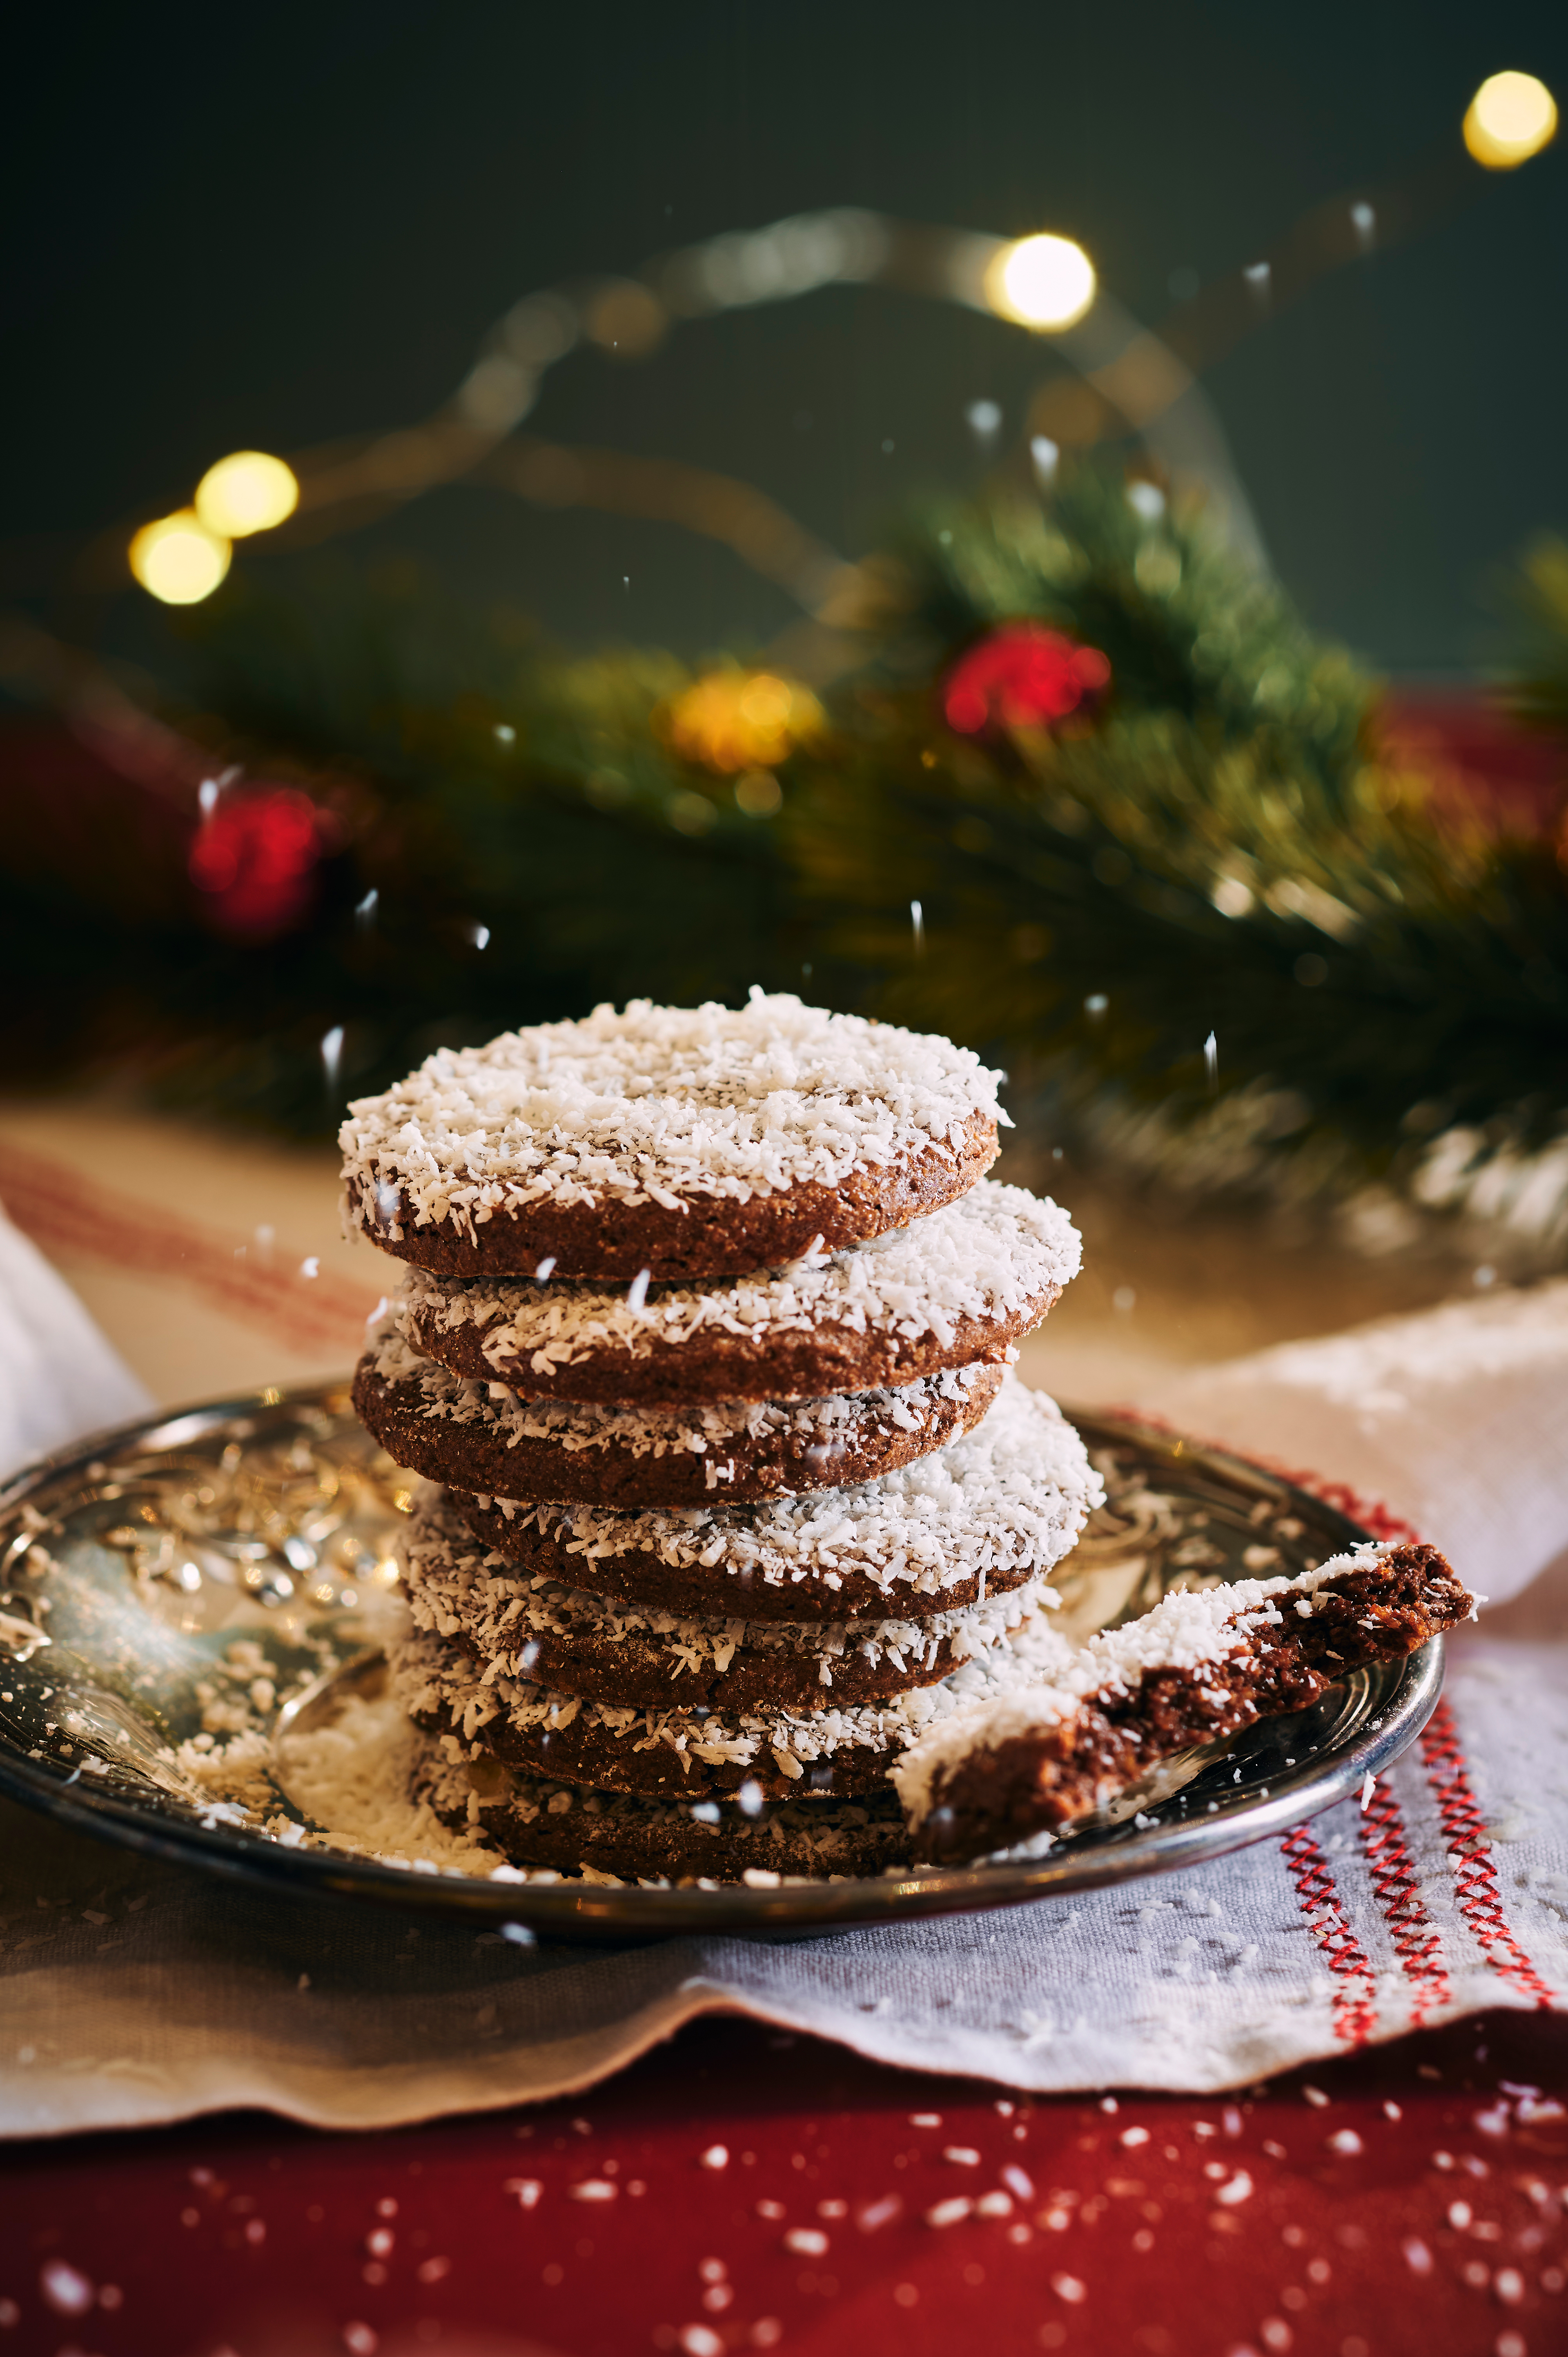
pixel 741 2190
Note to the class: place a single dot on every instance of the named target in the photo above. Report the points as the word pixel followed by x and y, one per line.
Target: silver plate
pixel 232 1565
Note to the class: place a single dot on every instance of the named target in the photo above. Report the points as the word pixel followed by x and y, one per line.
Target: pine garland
pixel 1225 853
pixel 1214 842
pixel 1123 897
pixel 1535 602
pixel 481 787
pixel 1189 628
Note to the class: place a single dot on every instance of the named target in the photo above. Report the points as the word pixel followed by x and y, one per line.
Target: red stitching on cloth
pixel 1416 1938
pixel 1355 2006
pixel 1417 1941
pixel 1470 1857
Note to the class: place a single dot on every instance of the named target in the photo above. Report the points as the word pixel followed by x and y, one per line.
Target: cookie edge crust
pixel 755 1679
pixel 686 1852
pixel 604 1759
pixel 832 1357
pixel 711 1236
pixel 545 1471
pixel 640 1576
pixel 601 1763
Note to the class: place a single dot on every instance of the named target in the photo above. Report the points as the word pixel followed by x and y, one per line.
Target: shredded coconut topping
pixel 435 1679
pixel 1185 1631
pixel 817 1829
pixel 660 1104
pixel 990 1256
pixel 457 1590
pixel 1012 1494
pixel 841 1421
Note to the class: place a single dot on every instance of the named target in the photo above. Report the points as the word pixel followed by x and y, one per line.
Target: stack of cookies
pixel 704 1346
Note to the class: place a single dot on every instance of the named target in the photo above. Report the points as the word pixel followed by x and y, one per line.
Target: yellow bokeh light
pixel 1510 119
pixel 177 560
pixel 733 720
pixel 247 492
pixel 1041 282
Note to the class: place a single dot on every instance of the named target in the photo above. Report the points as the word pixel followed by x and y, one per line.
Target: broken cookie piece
pixel 1197 1668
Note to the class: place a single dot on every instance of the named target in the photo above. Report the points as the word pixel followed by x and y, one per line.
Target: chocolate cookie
pixel 1195 1669
pixel 694 1753
pixel 575 1643
pixel 686 1142
pixel 984 1515
pixel 483 1437
pixel 962 1285
pixel 554 1827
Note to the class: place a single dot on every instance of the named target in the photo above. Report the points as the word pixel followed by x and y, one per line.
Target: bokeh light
pixel 247 492
pixel 1041 282
pixel 1511 118
pixel 177 560
pixel 759 793
pixel 733 720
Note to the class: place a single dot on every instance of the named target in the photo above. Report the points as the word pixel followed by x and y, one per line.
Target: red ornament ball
pixel 1021 676
pixel 255 855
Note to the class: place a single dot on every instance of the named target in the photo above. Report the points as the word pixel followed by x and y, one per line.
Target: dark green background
pixel 274 225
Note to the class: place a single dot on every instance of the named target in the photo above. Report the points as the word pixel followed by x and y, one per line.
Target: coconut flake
pixel 1009 1497
pixel 840 1421
pixel 990 1256
pixel 456 1587
pixel 661 1104
pixel 436 1678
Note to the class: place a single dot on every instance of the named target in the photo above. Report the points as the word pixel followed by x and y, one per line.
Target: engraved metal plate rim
pixel 1389 1707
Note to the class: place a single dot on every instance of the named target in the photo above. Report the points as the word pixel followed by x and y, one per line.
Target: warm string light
pixel 247 492
pixel 1511 118
pixel 181 558
pixel 177 560
pixel 1045 283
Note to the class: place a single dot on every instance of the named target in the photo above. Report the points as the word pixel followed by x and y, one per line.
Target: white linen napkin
pixel 132 1993
pixel 1458 1418
pixel 59 1380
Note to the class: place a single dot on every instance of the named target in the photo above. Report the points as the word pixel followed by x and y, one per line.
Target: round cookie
pixel 688 1142
pixel 774 1753
pixel 483 1437
pixel 990 1511
pixel 575 1643
pixel 962 1285
pixel 540 1825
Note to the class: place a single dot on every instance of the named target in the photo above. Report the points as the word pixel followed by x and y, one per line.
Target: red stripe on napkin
pixel 1470 1857
pixel 67 1214
pixel 1417 1941
pixel 1355 2000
